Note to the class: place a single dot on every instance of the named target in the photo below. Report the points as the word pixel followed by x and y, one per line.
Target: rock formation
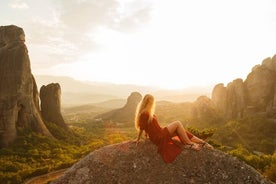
pixel 219 97
pixel 260 88
pixel 124 114
pixel 50 97
pixel 255 95
pixel 203 106
pixel 128 163
pixel 19 95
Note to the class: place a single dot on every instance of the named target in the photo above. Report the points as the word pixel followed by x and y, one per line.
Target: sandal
pixel 193 146
pixel 206 145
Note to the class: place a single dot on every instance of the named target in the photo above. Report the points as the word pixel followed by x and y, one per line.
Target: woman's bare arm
pixel 139 136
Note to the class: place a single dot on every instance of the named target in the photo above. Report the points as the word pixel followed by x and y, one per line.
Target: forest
pixel 248 139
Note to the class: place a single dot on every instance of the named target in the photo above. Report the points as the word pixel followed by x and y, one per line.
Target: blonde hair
pixel 146 105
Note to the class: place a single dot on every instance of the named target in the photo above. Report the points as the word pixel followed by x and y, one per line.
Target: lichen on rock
pixel 127 163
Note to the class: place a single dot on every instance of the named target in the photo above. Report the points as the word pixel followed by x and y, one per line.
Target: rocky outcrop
pixel 19 95
pixel 235 98
pixel 260 88
pixel 125 114
pixel 50 96
pixel 203 106
pixel 128 163
pixel 219 97
pixel 254 96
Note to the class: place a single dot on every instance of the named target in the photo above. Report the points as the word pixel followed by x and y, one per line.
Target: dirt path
pixel 44 179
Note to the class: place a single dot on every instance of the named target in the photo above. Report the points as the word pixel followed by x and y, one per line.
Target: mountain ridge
pixel 76 92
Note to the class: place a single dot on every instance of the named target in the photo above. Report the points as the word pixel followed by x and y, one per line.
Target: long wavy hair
pixel 146 105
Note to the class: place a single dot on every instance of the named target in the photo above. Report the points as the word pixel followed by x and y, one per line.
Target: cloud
pixel 19 4
pixel 133 20
pixel 66 33
pixel 89 15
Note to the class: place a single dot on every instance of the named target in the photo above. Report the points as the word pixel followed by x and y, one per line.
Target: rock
pixel 235 101
pixel 270 63
pixel 219 97
pixel 260 88
pixel 133 100
pixel 127 163
pixel 125 114
pixel 50 96
pixel 255 96
pixel 19 95
pixel 203 107
pixel 230 100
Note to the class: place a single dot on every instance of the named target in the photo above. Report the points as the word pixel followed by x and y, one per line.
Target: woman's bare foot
pixel 207 146
pixel 193 146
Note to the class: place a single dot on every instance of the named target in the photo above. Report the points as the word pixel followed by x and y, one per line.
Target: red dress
pixel 160 137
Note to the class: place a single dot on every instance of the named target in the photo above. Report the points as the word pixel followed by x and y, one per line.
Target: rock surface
pixel 203 106
pixel 19 95
pixel 127 163
pixel 50 97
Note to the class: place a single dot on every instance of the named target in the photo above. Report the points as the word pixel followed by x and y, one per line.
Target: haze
pixel 170 44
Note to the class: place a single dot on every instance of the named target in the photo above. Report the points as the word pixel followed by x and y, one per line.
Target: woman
pixel 164 138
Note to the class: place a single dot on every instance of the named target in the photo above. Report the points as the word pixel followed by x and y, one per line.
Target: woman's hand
pixel 139 136
pixel 137 142
pixel 146 135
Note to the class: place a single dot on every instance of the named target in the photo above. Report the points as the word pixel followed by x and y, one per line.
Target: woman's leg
pixel 176 128
pixel 197 140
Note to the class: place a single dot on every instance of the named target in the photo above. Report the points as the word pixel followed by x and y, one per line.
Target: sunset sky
pixel 165 43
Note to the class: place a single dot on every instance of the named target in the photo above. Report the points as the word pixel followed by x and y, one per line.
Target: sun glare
pixel 178 47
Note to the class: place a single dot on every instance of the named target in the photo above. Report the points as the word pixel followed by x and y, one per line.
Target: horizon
pixel 90 82
pixel 154 43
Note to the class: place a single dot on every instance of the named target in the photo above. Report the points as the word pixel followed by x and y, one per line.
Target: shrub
pixel 270 172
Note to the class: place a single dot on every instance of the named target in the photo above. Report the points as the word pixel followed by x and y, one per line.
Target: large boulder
pixel 18 90
pixel 50 97
pixel 128 163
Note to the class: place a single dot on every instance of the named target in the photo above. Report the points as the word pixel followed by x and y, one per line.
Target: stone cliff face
pixel 126 113
pixel 19 95
pixel 50 96
pixel 202 107
pixel 260 88
pixel 255 95
pixel 128 163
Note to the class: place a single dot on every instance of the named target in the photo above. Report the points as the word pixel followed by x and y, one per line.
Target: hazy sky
pixel 167 43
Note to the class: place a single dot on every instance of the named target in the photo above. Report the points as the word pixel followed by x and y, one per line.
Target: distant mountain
pixel 75 93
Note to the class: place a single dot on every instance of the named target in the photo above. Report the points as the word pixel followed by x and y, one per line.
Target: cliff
pixel 19 94
pixel 19 97
pixel 254 96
